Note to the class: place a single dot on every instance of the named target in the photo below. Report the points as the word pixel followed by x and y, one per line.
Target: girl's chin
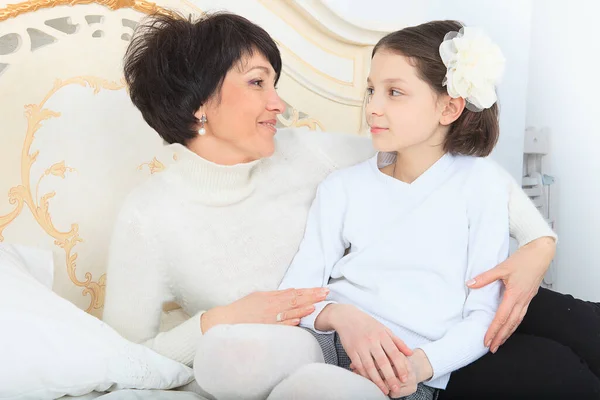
pixel 383 145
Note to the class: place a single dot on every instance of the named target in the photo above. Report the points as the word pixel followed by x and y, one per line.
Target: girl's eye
pixel 394 92
pixel 369 95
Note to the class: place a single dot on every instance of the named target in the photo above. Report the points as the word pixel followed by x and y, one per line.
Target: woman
pixel 216 231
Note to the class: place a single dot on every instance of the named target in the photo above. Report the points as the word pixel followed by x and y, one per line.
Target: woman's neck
pixel 212 183
pixel 217 151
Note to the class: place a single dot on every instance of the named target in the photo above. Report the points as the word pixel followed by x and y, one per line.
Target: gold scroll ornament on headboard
pixel 26 196
pixel 14 10
pixel 23 195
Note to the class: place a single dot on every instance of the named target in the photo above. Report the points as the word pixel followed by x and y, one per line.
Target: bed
pixel 73 145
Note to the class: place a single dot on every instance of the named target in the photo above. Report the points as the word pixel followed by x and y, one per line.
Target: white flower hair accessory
pixel 475 65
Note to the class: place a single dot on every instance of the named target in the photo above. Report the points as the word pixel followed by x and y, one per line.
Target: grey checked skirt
pixel 334 353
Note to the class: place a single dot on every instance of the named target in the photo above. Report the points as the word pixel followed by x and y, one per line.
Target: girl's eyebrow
pixel 390 80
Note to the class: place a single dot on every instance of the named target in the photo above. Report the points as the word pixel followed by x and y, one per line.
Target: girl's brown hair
pixel 473 133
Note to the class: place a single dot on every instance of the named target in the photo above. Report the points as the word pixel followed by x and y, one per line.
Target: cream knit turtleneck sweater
pixel 205 235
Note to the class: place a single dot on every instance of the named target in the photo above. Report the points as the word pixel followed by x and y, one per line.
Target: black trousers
pixel 554 354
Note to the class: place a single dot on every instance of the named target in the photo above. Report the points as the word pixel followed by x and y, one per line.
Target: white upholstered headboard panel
pixel 72 145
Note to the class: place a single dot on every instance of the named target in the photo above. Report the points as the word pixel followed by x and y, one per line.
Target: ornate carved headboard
pixel 72 144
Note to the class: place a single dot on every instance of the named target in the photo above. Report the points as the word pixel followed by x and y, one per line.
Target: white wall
pixel 553 58
pixel 508 22
pixel 564 85
pixel 552 50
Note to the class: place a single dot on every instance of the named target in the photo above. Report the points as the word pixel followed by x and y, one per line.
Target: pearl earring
pixel 202 130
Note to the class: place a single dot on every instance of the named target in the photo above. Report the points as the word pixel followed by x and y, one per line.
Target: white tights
pixel 259 361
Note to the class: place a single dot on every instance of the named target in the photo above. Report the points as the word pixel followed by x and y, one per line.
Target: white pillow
pixel 50 348
pixel 37 262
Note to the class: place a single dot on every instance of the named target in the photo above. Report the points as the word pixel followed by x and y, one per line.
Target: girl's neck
pixel 413 162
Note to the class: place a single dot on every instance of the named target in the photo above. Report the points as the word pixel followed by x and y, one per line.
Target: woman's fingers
pixel 521 317
pixel 293 304
pixel 295 313
pixel 504 310
pixel 514 328
pixel 290 322
pixel 508 328
pixel 293 298
pixel 484 279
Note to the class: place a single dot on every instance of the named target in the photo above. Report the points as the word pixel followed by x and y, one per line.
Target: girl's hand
pixel 375 352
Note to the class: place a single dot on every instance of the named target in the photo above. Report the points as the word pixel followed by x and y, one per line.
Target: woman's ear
pixel 453 108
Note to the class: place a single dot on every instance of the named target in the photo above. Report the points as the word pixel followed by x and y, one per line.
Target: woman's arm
pixel 137 289
pixel 526 222
pixel 522 272
pixel 487 210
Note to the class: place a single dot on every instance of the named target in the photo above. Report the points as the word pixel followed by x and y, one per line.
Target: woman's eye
pixel 257 82
pixel 370 91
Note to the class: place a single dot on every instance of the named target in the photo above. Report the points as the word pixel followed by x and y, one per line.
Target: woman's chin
pixel 266 154
pixel 267 149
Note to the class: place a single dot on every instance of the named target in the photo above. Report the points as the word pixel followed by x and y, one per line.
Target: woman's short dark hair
pixel 473 133
pixel 173 65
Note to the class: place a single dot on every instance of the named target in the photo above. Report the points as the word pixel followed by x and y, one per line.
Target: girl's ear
pixel 453 108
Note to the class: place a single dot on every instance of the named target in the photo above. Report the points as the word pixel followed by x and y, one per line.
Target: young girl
pixel 396 238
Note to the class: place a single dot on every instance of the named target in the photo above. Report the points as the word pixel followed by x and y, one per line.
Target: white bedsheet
pixel 88 396
pixel 130 394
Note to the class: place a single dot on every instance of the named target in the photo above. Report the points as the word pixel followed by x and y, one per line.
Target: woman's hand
pixel 522 275
pixel 284 307
pixel 371 346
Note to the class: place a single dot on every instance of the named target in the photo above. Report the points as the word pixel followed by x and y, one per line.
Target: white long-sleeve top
pixel 411 247
pixel 204 235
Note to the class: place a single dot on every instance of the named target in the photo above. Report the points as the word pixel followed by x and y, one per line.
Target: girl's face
pixel 403 111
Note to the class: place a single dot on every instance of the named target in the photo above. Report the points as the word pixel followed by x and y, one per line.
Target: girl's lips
pixel 375 130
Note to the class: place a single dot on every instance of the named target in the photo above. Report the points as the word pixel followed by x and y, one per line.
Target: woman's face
pixel 242 116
